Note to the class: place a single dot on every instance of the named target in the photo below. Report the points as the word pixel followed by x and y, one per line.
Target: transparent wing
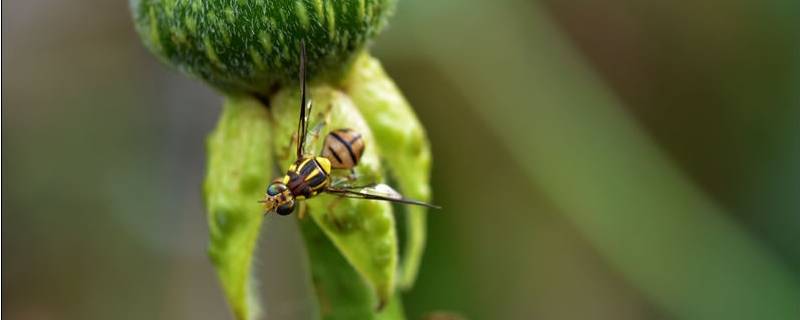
pixel 381 192
pixel 305 105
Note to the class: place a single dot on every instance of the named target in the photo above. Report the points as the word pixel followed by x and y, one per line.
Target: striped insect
pixel 311 175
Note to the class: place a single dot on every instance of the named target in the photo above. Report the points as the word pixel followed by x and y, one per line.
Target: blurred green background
pixel 596 160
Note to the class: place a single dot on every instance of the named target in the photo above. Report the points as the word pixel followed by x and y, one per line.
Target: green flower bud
pixel 250 46
pixel 362 230
pixel 404 149
pixel 251 140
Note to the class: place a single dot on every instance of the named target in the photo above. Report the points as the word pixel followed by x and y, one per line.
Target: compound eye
pixel 276 189
pixel 285 209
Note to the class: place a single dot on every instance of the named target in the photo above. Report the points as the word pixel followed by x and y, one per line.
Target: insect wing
pixel 305 105
pixel 381 192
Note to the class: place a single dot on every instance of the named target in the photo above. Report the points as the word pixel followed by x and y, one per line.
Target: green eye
pixel 276 189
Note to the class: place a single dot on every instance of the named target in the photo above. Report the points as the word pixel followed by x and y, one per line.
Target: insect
pixel 311 175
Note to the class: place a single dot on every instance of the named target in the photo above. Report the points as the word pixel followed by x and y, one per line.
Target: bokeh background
pixel 596 160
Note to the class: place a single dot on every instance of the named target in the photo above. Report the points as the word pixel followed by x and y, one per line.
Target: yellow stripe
pixel 297 166
pixel 313 174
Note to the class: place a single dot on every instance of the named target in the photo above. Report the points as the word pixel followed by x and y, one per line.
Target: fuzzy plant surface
pixel 248 50
pixel 251 46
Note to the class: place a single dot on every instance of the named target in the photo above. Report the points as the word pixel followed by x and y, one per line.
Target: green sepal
pixel 341 292
pixel 238 169
pixel 249 46
pixel 362 230
pixel 405 150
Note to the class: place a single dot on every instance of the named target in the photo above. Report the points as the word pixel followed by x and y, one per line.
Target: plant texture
pixel 248 49
pixel 252 45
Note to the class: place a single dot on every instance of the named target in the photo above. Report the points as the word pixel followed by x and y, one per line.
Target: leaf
pixel 362 230
pixel 404 146
pixel 342 293
pixel 238 169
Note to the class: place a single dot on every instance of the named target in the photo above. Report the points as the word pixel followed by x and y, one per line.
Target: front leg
pixel 301 212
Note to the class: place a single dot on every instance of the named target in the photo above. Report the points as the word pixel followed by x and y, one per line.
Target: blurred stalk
pixel 576 143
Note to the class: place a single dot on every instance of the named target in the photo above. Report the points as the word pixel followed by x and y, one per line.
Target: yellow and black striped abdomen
pixel 308 177
pixel 343 147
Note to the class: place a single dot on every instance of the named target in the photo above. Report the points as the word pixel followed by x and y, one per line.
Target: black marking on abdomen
pixel 335 155
pixel 356 138
pixel 346 145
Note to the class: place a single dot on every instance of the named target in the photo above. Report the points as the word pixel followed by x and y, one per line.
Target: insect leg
pixel 301 212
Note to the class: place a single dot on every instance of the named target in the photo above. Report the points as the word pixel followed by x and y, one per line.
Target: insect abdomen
pixel 343 147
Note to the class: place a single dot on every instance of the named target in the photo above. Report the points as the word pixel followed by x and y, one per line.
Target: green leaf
pixel 364 231
pixel 341 292
pixel 250 46
pixel 404 146
pixel 238 169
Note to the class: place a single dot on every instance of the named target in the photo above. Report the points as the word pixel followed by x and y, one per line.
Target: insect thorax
pixel 308 176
